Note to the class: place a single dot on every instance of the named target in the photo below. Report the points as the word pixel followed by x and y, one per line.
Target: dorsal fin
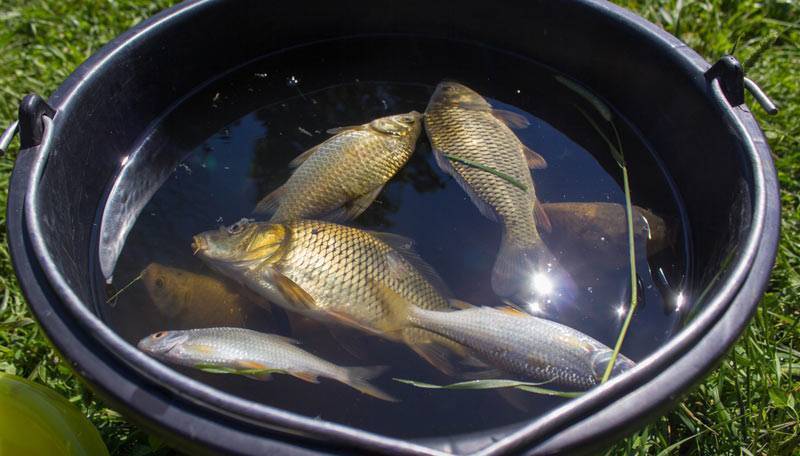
pixel 404 247
pixel 297 161
pixel 270 202
pixel 337 130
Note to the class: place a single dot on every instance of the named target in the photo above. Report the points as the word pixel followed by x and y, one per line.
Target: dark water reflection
pixel 235 138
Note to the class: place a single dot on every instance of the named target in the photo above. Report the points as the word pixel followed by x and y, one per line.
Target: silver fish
pixel 531 347
pixel 250 351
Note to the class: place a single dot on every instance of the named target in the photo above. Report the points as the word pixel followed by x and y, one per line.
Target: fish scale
pixel 528 346
pixel 343 274
pixel 254 354
pixel 348 168
pixel 462 125
pixel 479 137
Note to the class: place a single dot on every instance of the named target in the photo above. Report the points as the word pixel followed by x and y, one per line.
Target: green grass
pixel 748 406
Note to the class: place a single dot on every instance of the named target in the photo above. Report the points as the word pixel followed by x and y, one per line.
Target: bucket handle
pixel 30 125
pixel 733 82
pixel 7 136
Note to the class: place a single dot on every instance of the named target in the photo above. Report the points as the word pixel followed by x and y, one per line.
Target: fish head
pixel 244 242
pixel 166 287
pixel 453 93
pixel 160 344
pixel 600 359
pixel 408 124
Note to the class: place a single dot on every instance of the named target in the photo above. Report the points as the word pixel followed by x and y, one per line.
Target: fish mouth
pixel 601 359
pixel 199 244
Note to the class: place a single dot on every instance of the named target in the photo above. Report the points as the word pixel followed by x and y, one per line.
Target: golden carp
pixel 338 179
pixel 467 136
pixel 603 228
pixel 254 354
pixel 331 272
pixel 194 300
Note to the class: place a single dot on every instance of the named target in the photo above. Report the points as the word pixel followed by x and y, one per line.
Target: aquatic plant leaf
pixel 493 384
pixel 212 369
pixel 601 107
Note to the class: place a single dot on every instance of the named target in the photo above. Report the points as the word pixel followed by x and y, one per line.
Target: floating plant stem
pixel 114 296
pixel 493 384
pixel 488 169
pixel 212 369
pixel 616 152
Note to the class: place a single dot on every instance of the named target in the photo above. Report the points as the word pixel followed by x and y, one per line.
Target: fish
pixel 194 300
pixel 256 355
pixel 603 228
pixel 536 349
pixel 462 127
pixel 333 273
pixel 338 179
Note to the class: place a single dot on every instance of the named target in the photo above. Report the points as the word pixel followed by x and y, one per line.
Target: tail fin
pixel 532 272
pixel 357 377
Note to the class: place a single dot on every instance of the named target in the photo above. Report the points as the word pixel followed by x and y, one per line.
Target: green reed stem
pixel 616 152
pixel 488 169
pixel 632 254
pixel 114 296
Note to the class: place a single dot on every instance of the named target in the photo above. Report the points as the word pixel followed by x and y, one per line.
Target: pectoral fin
pixel 512 119
pixel 305 376
pixel 354 208
pixel 541 218
pixel 255 366
pixel 447 166
pixel 435 355
pixel 535 161
pixel 293 294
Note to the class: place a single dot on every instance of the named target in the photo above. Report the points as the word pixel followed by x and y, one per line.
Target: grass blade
pixel 488 169
pixel 492 384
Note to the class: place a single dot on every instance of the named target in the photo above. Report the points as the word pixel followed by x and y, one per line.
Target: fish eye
pixel 160 282
pixel 407 119
pixel 236 228
pixel 159 334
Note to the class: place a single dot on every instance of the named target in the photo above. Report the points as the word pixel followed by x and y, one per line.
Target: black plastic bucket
pixel 693 116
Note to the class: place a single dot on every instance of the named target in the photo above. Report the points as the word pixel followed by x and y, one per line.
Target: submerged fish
pixel 250 351
pixel 463 127
pixel 192 299
pixel 531 347
pixel 338 179
pixel 603 228
pixel 331 272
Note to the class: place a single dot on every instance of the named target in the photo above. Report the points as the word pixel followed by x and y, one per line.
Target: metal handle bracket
pixel 731 78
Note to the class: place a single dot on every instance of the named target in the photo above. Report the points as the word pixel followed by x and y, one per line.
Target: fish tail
pixel 521 270
pixel 358 378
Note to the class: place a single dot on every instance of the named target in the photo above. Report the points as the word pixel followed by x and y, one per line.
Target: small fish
pixel 338 179
pixel 332 273
pixel 463 126
pixel 603 228
pixel 194 300
pixel 250 351
pixel 521 344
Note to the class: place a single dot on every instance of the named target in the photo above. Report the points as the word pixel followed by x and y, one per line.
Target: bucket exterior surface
pixel 61 176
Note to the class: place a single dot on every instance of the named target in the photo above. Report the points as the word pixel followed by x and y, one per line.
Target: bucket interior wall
pixel 647 84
